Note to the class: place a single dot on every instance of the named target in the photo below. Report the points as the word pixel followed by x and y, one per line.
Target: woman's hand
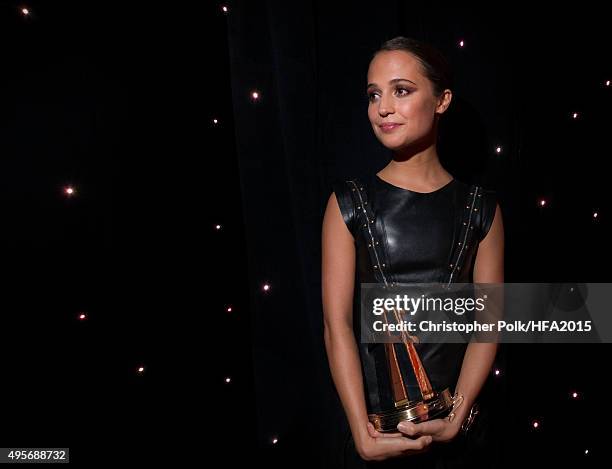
pixel 378 446
pixel 441 430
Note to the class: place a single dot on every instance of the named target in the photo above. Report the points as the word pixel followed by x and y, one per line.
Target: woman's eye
pixel 401 92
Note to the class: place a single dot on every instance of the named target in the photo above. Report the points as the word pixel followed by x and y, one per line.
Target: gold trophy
pixel 429 404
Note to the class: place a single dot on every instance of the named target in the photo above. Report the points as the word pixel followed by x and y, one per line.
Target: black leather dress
pixel 427 238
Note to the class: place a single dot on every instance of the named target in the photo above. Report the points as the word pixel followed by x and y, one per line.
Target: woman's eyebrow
pixel 391 82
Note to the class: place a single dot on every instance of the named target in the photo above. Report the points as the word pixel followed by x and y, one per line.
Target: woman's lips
pixel 389 127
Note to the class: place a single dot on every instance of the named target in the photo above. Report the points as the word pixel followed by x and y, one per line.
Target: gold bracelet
pixel 457 401
pixel 467 423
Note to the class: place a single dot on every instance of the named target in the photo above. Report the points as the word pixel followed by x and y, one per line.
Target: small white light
pixel 536 424
pixel 229 309
pixel 497 372
pixel 140 369
pixel 575 115
pixel 542 203
pixel 255 95
pixel 69 190
pixel 607 84
pixel 82 316
pixel 498 149
pixel 218 227
pixel 595 214
pixel 586 451
pixel 227 380
pixel 25 11
pixel 461 43
pixel 215 121
pixel 224 8
pixel 575 395
pixel 274 441
pixel 266 287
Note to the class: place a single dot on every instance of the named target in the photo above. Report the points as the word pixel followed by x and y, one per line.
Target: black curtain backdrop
pixel 118 99
pixel 519 78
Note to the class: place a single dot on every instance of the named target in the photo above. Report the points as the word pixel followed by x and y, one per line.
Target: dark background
pixel 118 101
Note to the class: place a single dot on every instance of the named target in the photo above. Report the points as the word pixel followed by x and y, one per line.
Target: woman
pixel 414 200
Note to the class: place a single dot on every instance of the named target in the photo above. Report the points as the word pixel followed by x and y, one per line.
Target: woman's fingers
pixel 429 427
pixel 408 428
pixel 376 434
pixel 409 445
pixel 384 448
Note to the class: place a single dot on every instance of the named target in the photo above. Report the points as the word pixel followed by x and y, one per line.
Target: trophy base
pixel 438 406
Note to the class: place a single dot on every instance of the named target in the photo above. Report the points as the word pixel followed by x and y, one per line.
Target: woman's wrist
pixel 460 411
pixel 361 437
pixel 360 433
pixel 461 414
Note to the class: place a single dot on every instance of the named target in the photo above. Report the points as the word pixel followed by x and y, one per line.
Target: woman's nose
pixel 385 106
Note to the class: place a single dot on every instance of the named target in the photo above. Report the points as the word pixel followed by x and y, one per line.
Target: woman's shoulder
pixel 467 188
pixel 346 190
pixel 346 186
pixel 350 180
pixel 480 199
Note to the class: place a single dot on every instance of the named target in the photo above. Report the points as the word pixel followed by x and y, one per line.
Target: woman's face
pixel 398 92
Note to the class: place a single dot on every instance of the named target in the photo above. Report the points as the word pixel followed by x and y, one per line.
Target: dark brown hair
pixel 435 66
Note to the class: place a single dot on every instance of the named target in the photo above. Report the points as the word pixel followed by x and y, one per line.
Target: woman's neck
pixel 419 170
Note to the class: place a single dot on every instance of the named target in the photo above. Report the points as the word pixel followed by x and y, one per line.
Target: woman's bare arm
pixel 338 275
pixel 338 283
pixel 479 357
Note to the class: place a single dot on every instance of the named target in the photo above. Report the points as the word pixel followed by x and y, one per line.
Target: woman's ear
pixel 444 101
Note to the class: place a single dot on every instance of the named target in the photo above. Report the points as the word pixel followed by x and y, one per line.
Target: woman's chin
pixel 399 142
pixel 392 143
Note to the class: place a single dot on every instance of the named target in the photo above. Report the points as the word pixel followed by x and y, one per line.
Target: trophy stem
pixel 417 366
pixel 397 383
pixel 419 371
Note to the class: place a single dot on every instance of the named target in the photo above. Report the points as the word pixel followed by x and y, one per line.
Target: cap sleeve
pixel 345 202
pixel 487 212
